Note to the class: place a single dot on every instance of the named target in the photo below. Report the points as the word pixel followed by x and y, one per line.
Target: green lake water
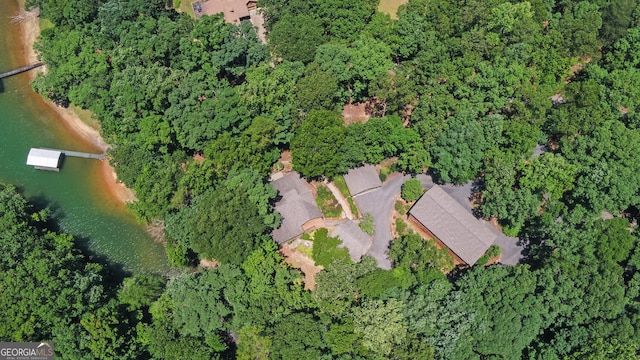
pixel 77 193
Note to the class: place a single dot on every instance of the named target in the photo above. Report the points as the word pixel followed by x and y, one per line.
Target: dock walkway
pixel 80 154
pixel 20 70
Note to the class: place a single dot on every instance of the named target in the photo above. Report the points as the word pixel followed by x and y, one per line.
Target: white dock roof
pixel 44 158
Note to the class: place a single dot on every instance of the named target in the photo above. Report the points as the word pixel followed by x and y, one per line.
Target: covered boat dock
pixel 44 159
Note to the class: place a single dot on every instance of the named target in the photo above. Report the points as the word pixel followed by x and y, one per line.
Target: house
pixel 44 159
pixel 441 216
pixel 362 180
pixel 297 206
pixel 353 238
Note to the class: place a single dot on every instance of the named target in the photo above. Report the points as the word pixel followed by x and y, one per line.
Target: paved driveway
pixel 511 249
pixel 380 203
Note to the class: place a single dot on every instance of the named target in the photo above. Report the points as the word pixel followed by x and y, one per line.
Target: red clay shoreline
pixel 85 135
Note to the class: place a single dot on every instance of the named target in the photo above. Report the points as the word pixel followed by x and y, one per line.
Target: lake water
pixel 77 193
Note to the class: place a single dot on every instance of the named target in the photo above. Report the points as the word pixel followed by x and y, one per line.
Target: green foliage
pixel 380 323
pixel 271 92
pixel 317 89
pixel 384 172
pixel 378 281
pixel 52 291
pixel 606 178
pixel 177 255
pixel 463 88
pixel 254 148
pixel 339 182
pixel 401 227
pixel 295 38
pixel 400 208
pixel 316 145
pixel 509 328
pixel 274 290
pixel 459 150
pixel 412 190
pixel 140 290
pixel 381 138
pixel 367 225
pixel 327 202
pixel 344 189
pixel 326 250
pixel 548 174
pixel 227 223
pixel 251 344
pixel 303 339
pixel 422 257
pixel 341 338
pixel 203 303
pixel 492 252
pixel 336 287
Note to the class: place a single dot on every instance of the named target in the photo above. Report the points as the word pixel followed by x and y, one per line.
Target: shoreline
pixel 29 31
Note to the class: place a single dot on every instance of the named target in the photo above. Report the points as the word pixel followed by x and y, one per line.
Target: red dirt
pixel 577 68
pixel 204 263
pixel 300 261
pixel 355 113
pixel 285 159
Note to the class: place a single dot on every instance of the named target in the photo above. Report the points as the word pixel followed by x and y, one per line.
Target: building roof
pixel 460 231
pixel 233 10
pixel 44 158
pixel 362 179
pixel 353 238
pixel 296 205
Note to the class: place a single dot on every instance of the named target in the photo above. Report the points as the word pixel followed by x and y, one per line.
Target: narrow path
pixel 341 200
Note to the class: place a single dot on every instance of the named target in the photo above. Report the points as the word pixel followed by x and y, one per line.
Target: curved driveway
pixel 380 203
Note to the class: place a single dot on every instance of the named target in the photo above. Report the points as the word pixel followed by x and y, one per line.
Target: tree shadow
pixel 113 272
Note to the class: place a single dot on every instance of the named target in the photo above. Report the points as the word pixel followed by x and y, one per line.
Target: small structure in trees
pixel 362 180
pixel 297 207
pixel 441 216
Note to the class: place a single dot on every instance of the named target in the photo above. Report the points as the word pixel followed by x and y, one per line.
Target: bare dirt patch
pixel 286 161
pixel 355 113
pixel 391 7
pixel 204 263
pixel 575 69
pixel 299 260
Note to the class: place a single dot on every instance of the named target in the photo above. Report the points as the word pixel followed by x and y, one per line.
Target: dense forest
pixel 198 112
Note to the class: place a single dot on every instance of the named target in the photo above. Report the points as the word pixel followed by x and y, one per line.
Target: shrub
pixel 325 249
pixel 401 227
pixel 412 190
pixel 492 252
pixel 366 224
pixel 384 172
pixel 376 282
pixel 328 203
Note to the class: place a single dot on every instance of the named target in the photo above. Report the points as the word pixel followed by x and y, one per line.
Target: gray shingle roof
pixel 362 179
pixel 353 238
pixel 297 206
pixel 460 231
